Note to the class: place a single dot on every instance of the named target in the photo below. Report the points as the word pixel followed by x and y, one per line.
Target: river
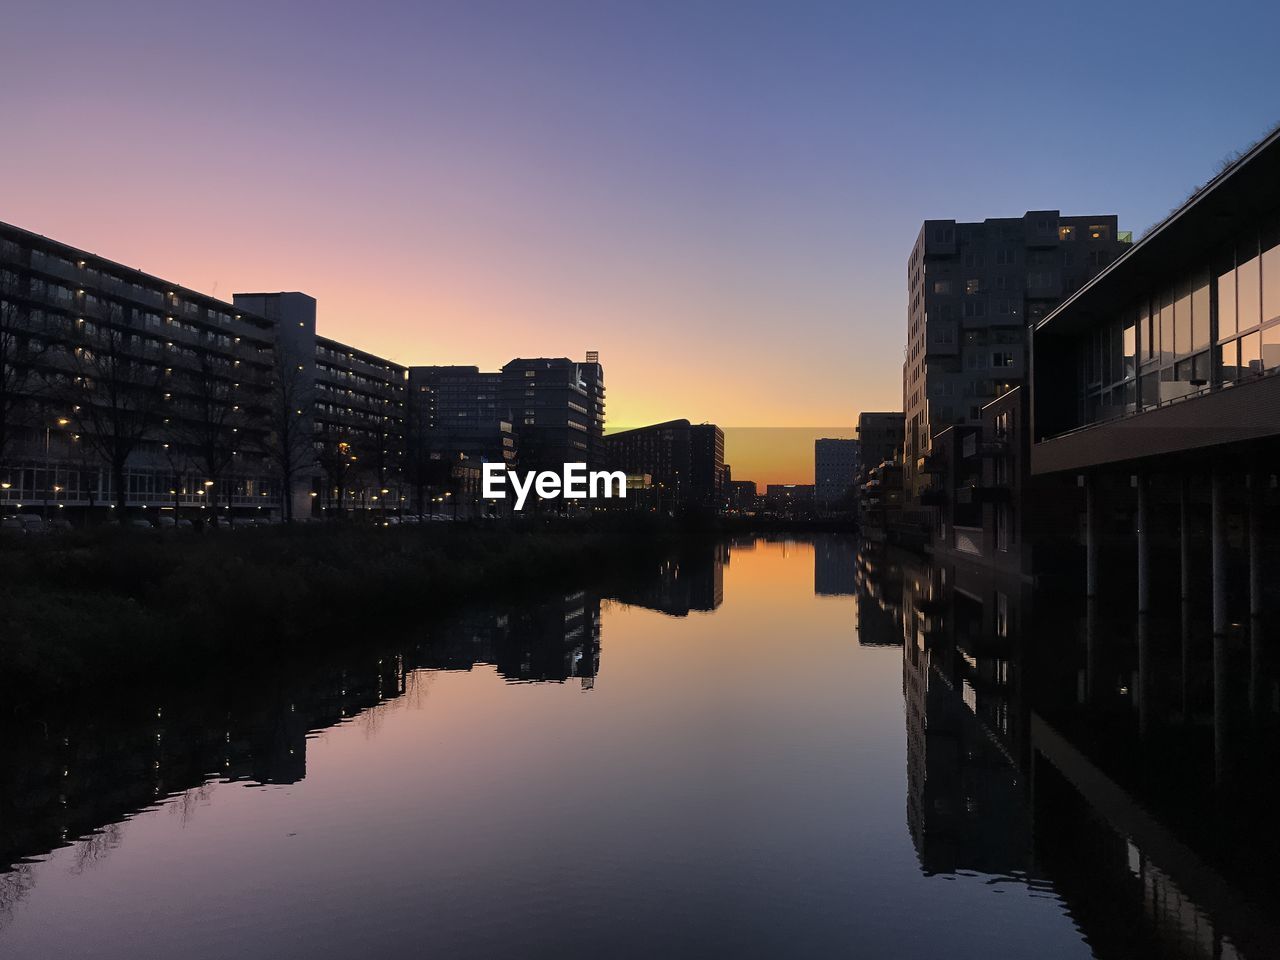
pixel 769 747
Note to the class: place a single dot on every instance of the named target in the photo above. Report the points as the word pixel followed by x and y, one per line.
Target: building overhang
pixel 1247 412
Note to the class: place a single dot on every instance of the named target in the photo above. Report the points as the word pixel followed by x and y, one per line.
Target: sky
pixel 719 197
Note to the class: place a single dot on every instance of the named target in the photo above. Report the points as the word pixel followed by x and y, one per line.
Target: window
pixel 1251 354
pixel 942 286
pixel 1270 277
pixel 1271 347
pixel 1002 359
pixel 1249 290
pixel 1227 303
pixel 1066 233
pixel 1099 231
pixel 972 286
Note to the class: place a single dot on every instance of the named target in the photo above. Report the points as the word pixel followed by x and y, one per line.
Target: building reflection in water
pixel 1070 747
pixel 689 580
pixel 70 779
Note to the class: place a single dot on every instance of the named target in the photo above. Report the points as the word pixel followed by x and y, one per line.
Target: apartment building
pixel 340 414
pixel 973 289
pixel 121 391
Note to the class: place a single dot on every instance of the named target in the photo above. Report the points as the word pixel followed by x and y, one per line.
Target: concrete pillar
pixel 1220 717
pixel 1144 544
pixel 1218 550
pixel 1184 537
pixel 1146 683
pixel 1092 651
pixel 1186 660
pixel 1256 481
pixel 1091 544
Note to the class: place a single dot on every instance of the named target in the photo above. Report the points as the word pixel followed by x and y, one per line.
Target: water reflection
pixel 736 786
pixel 1084 749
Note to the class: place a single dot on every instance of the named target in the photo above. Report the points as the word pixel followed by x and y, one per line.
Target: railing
pixel 1190 395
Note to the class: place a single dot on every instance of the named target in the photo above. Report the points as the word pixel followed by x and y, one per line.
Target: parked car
pixel 140 522
pixel 59 524
pixel 32 523
pixel 12 526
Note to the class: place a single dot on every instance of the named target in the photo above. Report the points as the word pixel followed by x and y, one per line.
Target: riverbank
pixel 109 607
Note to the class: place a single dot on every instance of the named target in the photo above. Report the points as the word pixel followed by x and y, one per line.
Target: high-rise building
pixel 706 464
pixel 556 407
pixel 835 470
pixel 973 289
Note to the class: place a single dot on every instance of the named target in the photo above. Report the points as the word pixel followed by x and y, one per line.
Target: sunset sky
pixel 719 197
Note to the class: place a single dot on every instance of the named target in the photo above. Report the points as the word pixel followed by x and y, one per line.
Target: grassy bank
pixel 120 606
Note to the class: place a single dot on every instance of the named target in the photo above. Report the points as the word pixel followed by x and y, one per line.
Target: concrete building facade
pixel 973 289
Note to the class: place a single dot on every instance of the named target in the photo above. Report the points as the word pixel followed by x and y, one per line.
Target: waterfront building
pixel 356 417
pixel 835 471
pixel 1156 386
pixel 124 391
pixel 685 462
pixel 556 408
pixel 879 437
pixel 973 289
pixel 740 496
pixel 789 499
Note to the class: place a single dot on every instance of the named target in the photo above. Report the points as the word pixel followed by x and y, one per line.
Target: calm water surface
pixel 733 756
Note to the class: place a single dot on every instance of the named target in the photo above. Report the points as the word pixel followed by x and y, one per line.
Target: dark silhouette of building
pixel 789 499
pixel 685 462
pixel 121 388
pixel 879 438
pixel 556 407
pixel 456 413
pixel 1156 387
pixel 973 289
pixel 835 471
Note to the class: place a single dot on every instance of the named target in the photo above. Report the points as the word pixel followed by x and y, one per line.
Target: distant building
pixel 556 407
pixel 835 470
pixel 685 462
pixel 973 289
pixel 740 496
pixel 706 463
pixel 789 499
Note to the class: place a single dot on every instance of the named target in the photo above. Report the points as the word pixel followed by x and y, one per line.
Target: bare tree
pixel 339 461
pixel 290 440
pixel 210 416
pixel 381 456
pixel 115 393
